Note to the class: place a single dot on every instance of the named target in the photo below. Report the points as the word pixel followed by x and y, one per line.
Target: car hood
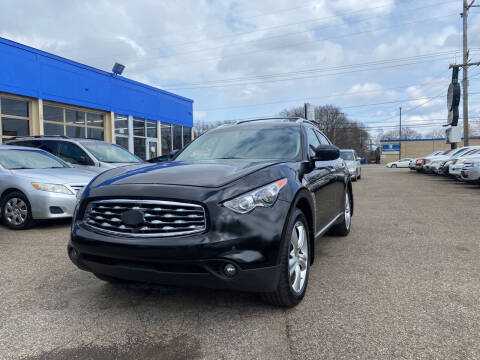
pixel 69 176
pixel 350 162
pixel 206 174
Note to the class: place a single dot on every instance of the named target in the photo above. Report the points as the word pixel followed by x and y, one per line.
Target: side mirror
pixel 172 154
pixel 326 153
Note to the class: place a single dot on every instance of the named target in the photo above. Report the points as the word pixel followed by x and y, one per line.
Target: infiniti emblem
pixel 133 218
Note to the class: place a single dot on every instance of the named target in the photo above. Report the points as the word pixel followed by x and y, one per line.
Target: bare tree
pixel 435 134
pixel 201 127
pixel 335 125
pixel 407 133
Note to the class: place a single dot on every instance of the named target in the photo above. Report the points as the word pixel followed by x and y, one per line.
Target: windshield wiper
pixel 20 168
pixel 230 157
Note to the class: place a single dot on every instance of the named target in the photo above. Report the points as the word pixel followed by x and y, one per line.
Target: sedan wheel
pixel 343 228
pixel 298 257
pixel 16 211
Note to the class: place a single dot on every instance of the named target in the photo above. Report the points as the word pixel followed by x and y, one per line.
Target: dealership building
pixel 45 94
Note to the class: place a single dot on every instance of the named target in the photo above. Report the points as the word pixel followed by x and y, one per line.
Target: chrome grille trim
pixel 161 218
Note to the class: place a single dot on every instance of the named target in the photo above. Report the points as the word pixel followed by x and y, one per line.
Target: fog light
pixel 230 270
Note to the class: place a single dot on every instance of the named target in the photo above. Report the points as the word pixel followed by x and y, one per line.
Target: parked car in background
pixel 432 158
pixel 471 170
pixel 92 155
pixel 454 166
pixel 440 166
pixel 36 185
pixel 402 163
pixel 353 163
pixel 455 169
pixel 239 208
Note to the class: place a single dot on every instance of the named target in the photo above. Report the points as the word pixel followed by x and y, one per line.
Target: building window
pixel 151 127
pixel 121 130
pixel 187 135
pixel 177 137
pixel 166 138
pixel 58 120
pixel 15 118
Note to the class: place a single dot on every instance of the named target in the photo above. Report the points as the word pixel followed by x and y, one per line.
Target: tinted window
pixel 71 153
pixel 15 127
pixel 313 141
pixel 323 139
pixel 49 145
pixel 14 107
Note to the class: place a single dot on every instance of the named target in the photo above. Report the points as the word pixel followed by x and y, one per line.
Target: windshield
pixel 347 155
pixel 29 159
pixel 110 153
pixel 271 144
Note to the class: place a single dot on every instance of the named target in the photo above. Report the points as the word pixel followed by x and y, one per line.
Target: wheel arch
pixel 8 191
pixel 304 202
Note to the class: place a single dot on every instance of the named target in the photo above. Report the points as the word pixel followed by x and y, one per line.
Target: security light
pixel 118 69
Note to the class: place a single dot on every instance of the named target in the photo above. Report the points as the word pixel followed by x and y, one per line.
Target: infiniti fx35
pixel 239 208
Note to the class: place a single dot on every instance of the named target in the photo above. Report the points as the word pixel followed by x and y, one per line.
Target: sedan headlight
pixel 262 197
pixel 55 188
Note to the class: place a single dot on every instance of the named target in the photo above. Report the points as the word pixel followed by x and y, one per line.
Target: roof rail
pixel 289 118
pixel 38 137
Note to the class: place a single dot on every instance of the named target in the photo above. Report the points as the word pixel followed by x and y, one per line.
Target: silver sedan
pixel 36 185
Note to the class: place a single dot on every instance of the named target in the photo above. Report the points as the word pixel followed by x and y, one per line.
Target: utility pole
pixel 400 137
pixel 464 15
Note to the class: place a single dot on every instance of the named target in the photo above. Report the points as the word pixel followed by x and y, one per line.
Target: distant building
pixel 413 148
pixel 44 94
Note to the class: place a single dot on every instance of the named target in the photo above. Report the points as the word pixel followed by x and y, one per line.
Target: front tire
pixel 294 265
pixel 394 166
pixel 16 211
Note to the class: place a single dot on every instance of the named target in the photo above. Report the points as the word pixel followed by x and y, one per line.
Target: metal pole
pixel 465 74
pixel 400 137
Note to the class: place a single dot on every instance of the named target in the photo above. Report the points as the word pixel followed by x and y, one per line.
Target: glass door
pixel 152 148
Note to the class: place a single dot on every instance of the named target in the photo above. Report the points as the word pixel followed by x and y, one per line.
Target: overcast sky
pixel 242 59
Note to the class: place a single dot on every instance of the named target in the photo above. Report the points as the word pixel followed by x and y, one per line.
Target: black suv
pixel 238 208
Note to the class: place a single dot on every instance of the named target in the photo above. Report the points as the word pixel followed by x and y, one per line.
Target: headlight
pixel 262 197
pixel 55 188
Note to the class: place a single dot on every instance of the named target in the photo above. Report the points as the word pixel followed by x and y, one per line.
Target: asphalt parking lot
pixel 404 284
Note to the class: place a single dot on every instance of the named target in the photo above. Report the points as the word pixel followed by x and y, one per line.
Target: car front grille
pixel 467 166
pixel 153 218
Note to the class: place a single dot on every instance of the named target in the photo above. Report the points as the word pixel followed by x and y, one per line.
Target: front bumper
pixel 250 242
pixel 49 205
pixel 471 174
pixel 456 170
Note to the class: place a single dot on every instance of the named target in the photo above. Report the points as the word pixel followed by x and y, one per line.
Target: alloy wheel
pixel 348 214
pixel 16 211
pixel 298 257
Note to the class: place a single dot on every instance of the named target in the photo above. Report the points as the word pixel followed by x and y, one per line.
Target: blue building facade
pixel 44 94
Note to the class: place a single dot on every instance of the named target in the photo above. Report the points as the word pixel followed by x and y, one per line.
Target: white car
pixel 471 170
pixel 432 158
pixel 402 163
pixel 455 169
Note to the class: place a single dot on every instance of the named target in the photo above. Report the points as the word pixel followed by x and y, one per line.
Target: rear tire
pixel 294 264
pixel 16 211
pixel 343 228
